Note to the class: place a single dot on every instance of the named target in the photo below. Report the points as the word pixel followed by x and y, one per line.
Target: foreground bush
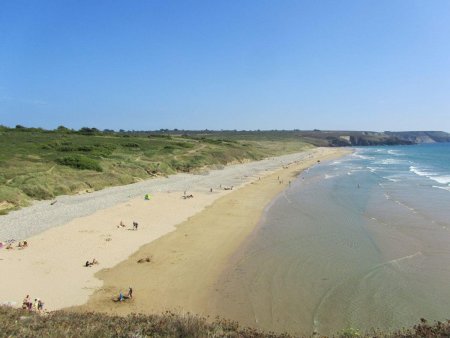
pixel 20 323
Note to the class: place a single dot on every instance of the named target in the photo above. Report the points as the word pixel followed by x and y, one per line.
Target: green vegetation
pixel 22 323
pixel 41 164
pixel 80 162
pixel 38 164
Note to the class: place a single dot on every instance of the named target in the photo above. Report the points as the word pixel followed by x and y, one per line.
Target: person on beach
pixel 26 304
pixel 88 264
pixel 120 299
pixel 35 305
pixel 40 305
pixel 130 292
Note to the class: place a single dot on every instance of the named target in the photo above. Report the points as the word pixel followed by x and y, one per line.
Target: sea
pixel 361 242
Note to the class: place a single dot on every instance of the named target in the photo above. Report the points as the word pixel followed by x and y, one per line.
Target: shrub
pixel 80 162
pixel 85 148
pixel 130 145
pixel 37 191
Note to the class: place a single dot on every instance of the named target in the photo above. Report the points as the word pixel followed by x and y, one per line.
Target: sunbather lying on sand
pixel 23 244
pixel 87 264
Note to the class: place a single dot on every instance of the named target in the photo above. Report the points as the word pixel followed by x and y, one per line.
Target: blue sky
pixel 225 64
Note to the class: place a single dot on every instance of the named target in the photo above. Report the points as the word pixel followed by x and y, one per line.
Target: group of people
pixel 9 245
pixel 23 244
pixel 122 225
pixel 94 261
pixel 28 304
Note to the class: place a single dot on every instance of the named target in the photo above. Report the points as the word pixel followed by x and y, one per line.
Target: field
pixel 37 164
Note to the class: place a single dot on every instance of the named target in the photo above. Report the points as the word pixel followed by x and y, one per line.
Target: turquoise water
pixel 362 242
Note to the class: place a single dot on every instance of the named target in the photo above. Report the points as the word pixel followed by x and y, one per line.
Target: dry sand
pixel 51 267
pixel 185 263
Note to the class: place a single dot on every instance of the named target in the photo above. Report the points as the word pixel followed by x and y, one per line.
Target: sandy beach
pixel 187 262
pixel 184 263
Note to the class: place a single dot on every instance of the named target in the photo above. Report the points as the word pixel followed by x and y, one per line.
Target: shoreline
pixel 187 263
pixel 51 268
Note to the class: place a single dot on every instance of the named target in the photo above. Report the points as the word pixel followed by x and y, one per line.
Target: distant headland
pixel 316 137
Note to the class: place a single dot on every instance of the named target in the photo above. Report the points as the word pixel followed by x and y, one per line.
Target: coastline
pixel 186 263
pixel 51 268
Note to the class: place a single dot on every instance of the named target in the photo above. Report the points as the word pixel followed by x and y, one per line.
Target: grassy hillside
pixel 39 164
pixel 22 323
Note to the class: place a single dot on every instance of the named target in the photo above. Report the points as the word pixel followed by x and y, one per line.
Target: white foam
pixel 443 188
pixel 363 157
pixel 406 206
pixel 420 172
pixel 395 152
pixel 391 179
pixel 441 179
pixel 389 161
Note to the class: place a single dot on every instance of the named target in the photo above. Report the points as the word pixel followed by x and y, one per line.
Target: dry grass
pixel 21 323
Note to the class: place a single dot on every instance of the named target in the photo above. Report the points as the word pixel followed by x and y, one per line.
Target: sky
pixel 226 64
